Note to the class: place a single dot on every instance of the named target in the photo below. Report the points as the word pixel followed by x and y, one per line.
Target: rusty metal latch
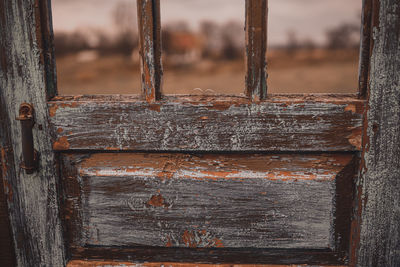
pixel 29 154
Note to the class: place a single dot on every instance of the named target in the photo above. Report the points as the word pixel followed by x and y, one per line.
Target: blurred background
pixel 312 46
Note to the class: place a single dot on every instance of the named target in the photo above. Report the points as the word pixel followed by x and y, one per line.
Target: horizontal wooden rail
pixel 86 263
pixel 297 123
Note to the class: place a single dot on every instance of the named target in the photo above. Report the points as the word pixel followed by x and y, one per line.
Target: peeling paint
pixel 61 144
pixel 230 126
pixel 157 201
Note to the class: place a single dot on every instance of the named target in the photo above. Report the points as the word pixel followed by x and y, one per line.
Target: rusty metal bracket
pixel 29 154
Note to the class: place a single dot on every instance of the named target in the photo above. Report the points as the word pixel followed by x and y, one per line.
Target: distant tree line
pixel 343 36
pixel 210 40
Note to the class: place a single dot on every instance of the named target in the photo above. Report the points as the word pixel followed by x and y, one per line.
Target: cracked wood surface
pixel 32 199
pixel 379 243
pixel 204 201
pixel 280 123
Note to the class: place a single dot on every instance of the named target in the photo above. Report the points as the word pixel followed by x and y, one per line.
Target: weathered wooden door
pixel 271 179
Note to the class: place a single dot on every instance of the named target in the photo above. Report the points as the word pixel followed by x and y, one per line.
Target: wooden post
pixel 380 166
pixel 32 198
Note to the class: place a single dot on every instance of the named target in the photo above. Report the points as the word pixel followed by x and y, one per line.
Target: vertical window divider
pixel 256 46
pixel 150 48
pixel 365 47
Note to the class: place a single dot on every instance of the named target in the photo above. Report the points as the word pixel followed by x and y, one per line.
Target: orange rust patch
pixel 355 138
pixel 53 109
pixel 218 243
pixel 3 160
pixel 351 107
pixel 60 130
pixel 61 144
pixel 194 239
pixel 169 242
pixel 157 201
pixel 188 239
pixel 155 107
pixel 70 105
pixel 112 148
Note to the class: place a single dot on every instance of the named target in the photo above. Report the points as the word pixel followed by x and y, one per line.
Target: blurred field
pixel 300 71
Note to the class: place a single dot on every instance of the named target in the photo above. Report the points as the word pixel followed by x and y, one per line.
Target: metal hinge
pixel 29 154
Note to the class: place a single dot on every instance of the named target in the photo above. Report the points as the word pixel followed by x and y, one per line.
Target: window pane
pixel 313 46
pixel 203 46
pixel 96 46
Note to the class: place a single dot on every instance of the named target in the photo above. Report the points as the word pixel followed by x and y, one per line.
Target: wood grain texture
pixel 204 201
pixel 32 199
pixel 150 48
pixel 209 256
pixel 78 263
pixel 308 123
pixel 256 47
pixel 7 255
pixel 380 173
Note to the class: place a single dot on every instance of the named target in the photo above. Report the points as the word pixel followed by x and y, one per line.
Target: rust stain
pixel 351 107
pixel 200 238
pixel 218 243
pixel 169 242
pixel 155 107
pixel 60 130
pixel 53 110
pixel 3 160
pixel 112 148
pixel 355 138
pixel 188 239
pixel 157 201
pixel 61 144
pixel 53 107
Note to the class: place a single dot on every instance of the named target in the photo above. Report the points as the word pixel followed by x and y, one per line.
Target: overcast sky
pixel 308 18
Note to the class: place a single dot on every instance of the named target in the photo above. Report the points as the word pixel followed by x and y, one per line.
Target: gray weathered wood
pixel 32 199
pixel 302 123
pixel 380 224
pixel 86 263
pixel 178 200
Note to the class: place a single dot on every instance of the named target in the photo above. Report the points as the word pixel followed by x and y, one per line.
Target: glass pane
pixel 313 46
pixel 203 46
pixel 96 46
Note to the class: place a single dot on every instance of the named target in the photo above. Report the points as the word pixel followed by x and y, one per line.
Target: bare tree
pixel 212 39
pixel 292 42
pixel 232 40
pixel 124 17
pixel 344 35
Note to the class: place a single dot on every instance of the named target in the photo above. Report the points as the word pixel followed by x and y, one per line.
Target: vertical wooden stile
pixel 33 200
pixel 379 239
pixel 150 48
pixel 256 46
